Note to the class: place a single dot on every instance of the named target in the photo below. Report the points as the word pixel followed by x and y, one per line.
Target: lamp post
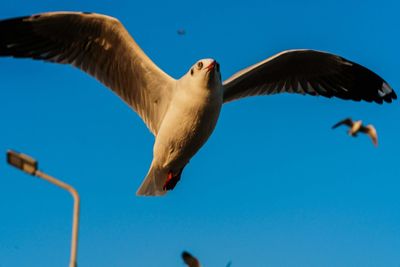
pixel 30 166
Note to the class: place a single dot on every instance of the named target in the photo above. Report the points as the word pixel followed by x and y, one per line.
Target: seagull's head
pixel 355 128
pixel 206 72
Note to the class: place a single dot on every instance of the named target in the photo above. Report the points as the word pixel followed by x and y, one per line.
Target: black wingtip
pixel 369 86
pixel 10 32
pixel 387 93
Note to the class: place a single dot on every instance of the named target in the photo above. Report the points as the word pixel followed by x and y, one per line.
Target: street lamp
pixel 30 166
pixel 22 162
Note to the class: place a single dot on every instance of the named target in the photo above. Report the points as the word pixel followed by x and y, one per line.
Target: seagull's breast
pixel 188 123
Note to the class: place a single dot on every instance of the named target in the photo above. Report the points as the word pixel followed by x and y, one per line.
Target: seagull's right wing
pixel 98 45
pixel 308 72
pixel 190 260
pixel 371 131
pixel 347 122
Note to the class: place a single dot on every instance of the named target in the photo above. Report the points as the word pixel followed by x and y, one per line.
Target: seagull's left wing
pixel 347 121
pixel 309 72
pixel 98 45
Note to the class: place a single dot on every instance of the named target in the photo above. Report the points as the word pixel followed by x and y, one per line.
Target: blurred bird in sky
pixel 180 113
pixel 181 32
pixel 357 127
pixel 190 260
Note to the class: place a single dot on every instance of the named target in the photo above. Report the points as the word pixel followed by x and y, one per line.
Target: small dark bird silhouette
pixel 357 127
pixel 181 32
pixel 190 260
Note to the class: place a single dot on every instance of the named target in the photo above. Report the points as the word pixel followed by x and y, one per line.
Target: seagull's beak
pixel 211 66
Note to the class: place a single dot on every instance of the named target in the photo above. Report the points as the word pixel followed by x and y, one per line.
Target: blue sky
pixel 274 185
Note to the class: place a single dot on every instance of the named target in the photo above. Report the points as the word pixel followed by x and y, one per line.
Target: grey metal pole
pixel 75 219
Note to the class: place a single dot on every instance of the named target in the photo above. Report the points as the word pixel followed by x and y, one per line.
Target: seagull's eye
pixel 200 65
pixel 191 72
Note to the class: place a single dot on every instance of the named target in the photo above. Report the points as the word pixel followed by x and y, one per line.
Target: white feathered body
pixel 187 125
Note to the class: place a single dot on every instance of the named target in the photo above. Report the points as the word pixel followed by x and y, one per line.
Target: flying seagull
pixel 357 127
pixel 180 113
pixel 190 260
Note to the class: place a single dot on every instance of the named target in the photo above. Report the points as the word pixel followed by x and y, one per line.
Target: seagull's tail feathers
pixel 153 183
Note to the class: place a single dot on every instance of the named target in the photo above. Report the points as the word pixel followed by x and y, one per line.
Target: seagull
pixel 181 113
pixel 190 260
pixel 357 127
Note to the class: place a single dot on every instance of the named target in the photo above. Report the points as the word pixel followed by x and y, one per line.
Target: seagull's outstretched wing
pixel 190 260
pixel 309 72
pixel 371 131
pixel 347 122
pixel 98 45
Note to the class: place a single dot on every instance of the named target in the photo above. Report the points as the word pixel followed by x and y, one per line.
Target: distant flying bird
pixel 190 260
pixel 357 127
pixel 181 32
pixel 180 113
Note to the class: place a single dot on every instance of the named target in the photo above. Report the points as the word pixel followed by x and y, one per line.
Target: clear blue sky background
pixel 274 185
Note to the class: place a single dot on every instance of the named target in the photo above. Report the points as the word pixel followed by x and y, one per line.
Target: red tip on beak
pixel 211 66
